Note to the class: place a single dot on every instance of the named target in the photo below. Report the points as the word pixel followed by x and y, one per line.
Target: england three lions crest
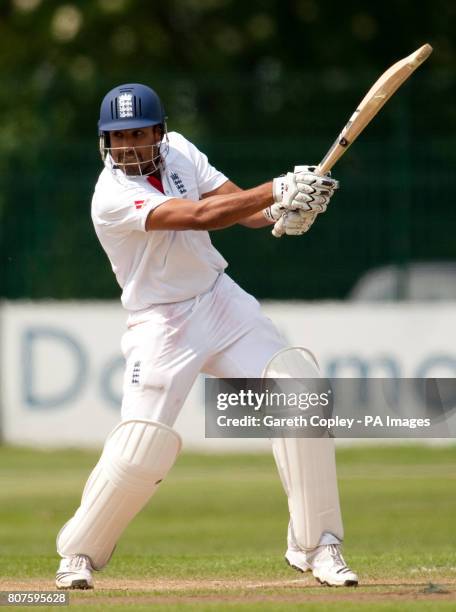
pixel 125 105
pixel 178 183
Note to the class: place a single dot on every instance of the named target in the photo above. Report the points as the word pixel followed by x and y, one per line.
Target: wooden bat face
pixel 380 92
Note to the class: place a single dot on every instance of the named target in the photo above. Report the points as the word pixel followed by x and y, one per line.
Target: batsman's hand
pixel 294 223
pixel 291 222
pixel 304 191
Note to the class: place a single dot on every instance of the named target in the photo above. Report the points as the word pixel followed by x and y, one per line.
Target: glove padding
pixel 302 191
pixel 274 212
pixel 291 222
pixel 294 223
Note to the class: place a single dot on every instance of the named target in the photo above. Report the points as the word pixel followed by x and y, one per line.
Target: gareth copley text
pixel 300 420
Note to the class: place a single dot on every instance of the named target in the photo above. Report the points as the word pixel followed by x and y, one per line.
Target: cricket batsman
pixel 154 204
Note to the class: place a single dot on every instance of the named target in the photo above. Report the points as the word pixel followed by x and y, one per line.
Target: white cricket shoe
pixel 74 573
pixel 326 564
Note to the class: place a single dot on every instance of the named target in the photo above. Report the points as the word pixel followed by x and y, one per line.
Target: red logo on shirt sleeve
pixel 139 204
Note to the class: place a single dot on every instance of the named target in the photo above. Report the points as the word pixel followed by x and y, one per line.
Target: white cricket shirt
pixel 157 267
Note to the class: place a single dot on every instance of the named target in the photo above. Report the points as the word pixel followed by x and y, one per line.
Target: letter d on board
pixel 35 338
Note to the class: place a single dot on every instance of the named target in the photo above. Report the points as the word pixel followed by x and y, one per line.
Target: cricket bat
pixel 380 92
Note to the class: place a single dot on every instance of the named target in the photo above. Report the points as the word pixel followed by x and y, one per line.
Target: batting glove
pixel 304 191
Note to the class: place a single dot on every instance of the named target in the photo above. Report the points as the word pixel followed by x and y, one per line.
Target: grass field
pixel 213 536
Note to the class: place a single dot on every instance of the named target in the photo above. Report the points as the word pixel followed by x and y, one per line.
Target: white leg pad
pixel 136 457
pixel 307 466
pixel 307 469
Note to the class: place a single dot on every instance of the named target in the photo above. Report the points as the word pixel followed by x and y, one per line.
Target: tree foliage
pixel 259 85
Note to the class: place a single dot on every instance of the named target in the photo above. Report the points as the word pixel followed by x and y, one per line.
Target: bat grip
pixel 278 230
pixel 322 169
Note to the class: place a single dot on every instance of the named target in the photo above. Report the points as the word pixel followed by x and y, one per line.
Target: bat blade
pixel 380 92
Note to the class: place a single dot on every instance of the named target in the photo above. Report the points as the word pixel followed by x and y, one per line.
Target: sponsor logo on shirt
pixel 139 204
pixel 178 182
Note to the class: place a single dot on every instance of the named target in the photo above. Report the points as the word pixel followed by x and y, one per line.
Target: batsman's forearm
pixel 219 211
pixel 256 221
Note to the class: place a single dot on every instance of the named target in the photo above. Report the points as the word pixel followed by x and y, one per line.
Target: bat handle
pixel 321 169
pixel 278 230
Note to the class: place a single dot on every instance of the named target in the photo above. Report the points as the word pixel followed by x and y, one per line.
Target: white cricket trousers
pixel 222 333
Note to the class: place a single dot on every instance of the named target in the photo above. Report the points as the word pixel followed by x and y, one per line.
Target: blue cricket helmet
pixel 130 106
